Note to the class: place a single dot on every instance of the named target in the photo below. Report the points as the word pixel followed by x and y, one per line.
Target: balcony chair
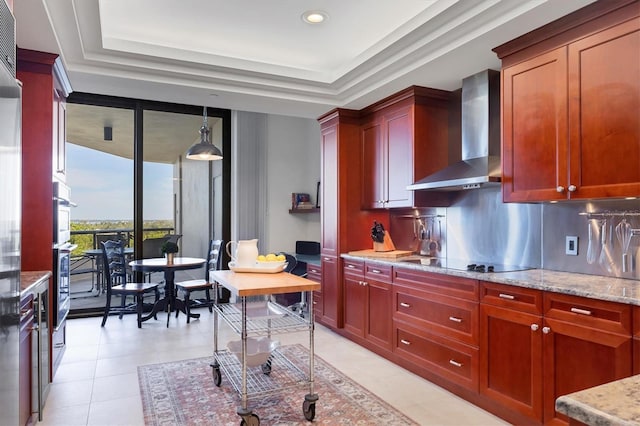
pixel 117 283
pixel 214 260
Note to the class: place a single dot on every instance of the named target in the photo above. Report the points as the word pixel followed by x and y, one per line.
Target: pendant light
pixel 205 149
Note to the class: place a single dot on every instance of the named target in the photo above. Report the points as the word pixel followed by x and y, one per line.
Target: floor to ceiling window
pixel 129 176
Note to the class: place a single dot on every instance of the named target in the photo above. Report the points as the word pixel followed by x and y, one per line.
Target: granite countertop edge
pixel 614 403
pixel 612 289
pixel 31 280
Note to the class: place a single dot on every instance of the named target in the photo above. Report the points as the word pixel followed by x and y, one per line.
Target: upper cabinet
pixel 404 138
pixel 570 107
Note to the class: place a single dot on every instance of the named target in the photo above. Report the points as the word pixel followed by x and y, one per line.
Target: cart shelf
pixel 283 374
pixel 263 318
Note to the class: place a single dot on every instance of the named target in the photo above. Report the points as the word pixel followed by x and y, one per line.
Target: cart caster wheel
pixel 217 376
pixel 250 420
pixel 266 368
pixel 309 410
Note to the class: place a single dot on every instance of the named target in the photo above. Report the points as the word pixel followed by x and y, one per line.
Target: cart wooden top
pixel 253 284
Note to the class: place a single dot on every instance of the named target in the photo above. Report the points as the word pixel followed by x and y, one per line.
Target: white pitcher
pixel 243 253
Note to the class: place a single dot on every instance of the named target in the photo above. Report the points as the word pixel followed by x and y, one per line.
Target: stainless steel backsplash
pixel 479 226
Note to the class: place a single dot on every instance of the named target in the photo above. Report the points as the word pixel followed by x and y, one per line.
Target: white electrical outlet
pixel 571 246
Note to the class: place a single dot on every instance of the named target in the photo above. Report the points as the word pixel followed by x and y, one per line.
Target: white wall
pixel 273 156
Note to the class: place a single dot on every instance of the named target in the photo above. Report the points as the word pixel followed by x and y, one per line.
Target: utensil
pixel 605 249
pixel 591 252
pixel 624 234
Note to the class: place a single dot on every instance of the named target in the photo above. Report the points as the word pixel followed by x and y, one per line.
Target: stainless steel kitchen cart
pixel 256 319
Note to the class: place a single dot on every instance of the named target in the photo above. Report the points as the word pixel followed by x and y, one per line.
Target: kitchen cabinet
pixel 569 105
pixel 367 303
pixel 511 347
pixel 537 346
pixel 586 343
pixel 314 273
pixel 344 226
pixel 45 87
pixel 27 322
pixel 404 138
pixel 435 324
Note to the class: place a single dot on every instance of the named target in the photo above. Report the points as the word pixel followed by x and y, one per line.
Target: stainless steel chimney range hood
pixel 480 164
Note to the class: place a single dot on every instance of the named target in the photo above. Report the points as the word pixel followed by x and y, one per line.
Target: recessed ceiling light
pixel 314 16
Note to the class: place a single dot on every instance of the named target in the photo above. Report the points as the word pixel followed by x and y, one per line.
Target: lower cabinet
pixel 636 340
pixel 58 345
pixel 434 330
pixel 27 323
pixel 586 343
pixel 314 273
pixel 537 346
pixel 331 307
pixel 367 309
pixel 511 347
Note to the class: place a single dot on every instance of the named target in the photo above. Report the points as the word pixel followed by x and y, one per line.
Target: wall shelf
pixel 311 210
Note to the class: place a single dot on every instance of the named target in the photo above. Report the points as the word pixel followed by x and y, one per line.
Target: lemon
pixel 271 257
pixel 262 258
pixel 281 258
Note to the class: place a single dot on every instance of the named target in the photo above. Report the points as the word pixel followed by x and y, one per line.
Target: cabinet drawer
pixel 512 297
pixel 314 273
pixel 463 288
pixel 353 267
pixel 451 360
pixel 454 318
pixel 316 303
pixel 600 314
pixel 378 272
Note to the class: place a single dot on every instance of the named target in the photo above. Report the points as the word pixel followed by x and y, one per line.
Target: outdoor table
pixel 159 264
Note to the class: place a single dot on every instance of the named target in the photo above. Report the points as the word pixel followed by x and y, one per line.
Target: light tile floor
pixel 97 382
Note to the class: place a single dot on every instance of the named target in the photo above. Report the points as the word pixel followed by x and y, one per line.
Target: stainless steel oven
pixel 62 249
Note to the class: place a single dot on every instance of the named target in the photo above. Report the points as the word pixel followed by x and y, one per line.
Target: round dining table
pixel 169 302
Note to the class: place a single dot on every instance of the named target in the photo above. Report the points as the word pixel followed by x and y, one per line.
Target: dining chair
pixel 117 283
pixel 214 260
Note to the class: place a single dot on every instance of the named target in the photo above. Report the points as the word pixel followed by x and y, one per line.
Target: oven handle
pixel 67 248
pixel 64 202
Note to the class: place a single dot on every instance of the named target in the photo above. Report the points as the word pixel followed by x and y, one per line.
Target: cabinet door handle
pixel 326 259
pixel 580 311
pixel 455 363
pixel 506 296
pixel 560 189
pixel 546 330
pixel 350 266
pixel 314 271
pixel 315 303
pixel 572 188
pixel 455 319
pixel 405 342
pixel 376 271
pixel 534 327
pixel 364 283
pixel 405 305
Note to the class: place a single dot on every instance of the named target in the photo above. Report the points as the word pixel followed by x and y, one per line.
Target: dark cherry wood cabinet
pixel 436 324
pixel 404 138
pixel 314 273
pixel 511 347
pixel 586 343
pixel 367 303
pixel 45 87
pixel 569 105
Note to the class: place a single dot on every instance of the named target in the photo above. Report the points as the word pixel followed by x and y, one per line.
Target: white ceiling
pixel 258 55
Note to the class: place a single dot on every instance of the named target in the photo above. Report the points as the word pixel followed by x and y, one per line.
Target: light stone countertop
pixel 615 403
pixel 592 286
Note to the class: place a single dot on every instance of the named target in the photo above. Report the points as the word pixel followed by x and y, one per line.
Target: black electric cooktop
pixel 466 265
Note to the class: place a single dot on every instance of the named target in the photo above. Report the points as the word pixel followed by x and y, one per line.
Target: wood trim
pixel 35 62
pixel 590 19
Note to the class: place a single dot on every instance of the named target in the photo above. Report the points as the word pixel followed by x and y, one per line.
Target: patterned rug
pixel 184 393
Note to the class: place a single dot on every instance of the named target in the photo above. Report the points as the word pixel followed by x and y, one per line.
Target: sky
pixel 102 186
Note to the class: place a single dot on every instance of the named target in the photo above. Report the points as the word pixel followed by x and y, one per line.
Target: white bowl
pixel 258 350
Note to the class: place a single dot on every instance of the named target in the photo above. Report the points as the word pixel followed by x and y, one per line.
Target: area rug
pixel 184 393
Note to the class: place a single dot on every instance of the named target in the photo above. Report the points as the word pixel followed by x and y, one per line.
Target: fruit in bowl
pixel 272 258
